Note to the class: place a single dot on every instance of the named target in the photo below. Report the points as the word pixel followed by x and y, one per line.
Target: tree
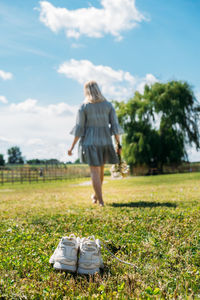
pixel 35 161
pixel 15 156
pixel 77 161
pixel 53 161
pixel 2 161
pixel 159 124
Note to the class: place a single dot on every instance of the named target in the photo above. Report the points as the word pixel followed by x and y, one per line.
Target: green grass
pixel 152 222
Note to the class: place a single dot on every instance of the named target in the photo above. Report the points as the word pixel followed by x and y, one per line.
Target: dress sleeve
pixel 115 128
pixel 79 128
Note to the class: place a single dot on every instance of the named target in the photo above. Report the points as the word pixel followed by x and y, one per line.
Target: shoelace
pixel 122 261
pixel 92 238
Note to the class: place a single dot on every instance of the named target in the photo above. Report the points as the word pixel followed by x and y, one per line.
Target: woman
pixel 95 124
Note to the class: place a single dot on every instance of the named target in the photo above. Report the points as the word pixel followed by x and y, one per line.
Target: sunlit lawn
pixel 152 222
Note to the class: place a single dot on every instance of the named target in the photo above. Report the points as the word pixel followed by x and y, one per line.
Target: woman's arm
pixel 76 138
pixel 116 130
pixel 117 138
pixel 78 129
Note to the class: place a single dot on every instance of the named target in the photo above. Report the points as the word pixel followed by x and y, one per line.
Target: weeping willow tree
pixel 159 124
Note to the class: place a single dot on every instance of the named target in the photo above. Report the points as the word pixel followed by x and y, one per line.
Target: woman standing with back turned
pixel 96 122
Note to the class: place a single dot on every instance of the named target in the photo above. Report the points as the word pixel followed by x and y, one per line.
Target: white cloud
pixel 3 99
pixel 7 140
pixel 5 75
pixel 27 106
pixel 114 17
pixel 149 79
pixel 76 45
pixel 41 131
pixel 115 84
pixel 31 106
pixel 35 141
pixel 193 154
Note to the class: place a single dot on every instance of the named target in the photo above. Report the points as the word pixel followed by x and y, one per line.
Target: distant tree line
pixel 37 161
pixel 15 157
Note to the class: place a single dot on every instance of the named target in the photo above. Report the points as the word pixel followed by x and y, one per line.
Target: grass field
pixel 152 222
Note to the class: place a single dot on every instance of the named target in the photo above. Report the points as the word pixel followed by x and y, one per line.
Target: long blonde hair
pixel 92 92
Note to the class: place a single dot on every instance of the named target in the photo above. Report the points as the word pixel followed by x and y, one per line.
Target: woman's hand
pixel 69 152
pixel 76 138
pixel 118 150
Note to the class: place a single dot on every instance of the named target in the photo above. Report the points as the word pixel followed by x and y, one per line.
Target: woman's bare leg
pixel 102 173
pixel 94 197
pixel 96 182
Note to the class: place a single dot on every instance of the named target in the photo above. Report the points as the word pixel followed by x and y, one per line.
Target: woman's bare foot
pixel 94 199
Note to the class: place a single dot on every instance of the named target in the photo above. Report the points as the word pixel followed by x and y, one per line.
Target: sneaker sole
pixel 88 271
pixel 59 266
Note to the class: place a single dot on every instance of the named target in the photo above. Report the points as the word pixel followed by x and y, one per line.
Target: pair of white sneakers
pixel 75 254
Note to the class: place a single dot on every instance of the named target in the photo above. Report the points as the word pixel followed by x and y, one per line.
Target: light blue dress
pixel 95 125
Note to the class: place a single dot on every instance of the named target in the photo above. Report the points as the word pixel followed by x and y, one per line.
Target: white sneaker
pixel 90 260
pixel 65 255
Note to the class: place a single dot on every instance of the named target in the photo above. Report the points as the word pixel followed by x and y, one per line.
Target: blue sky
pixel 50 48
